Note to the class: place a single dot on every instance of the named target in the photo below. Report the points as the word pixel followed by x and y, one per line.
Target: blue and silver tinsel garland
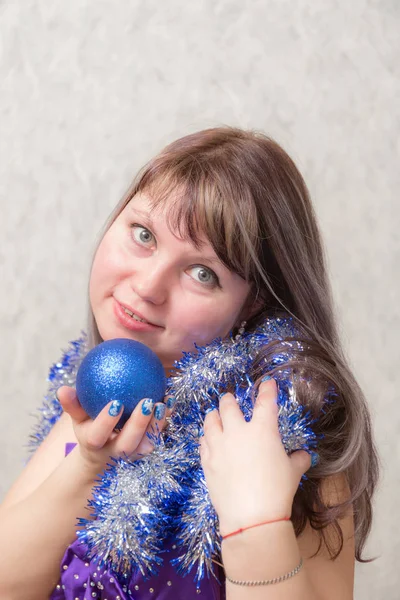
pixel 61 373
pixel 138 505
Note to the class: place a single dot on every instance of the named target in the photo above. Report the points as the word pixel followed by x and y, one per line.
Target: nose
pixel 149 282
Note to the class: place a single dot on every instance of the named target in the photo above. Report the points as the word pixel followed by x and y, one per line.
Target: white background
pixel 91 90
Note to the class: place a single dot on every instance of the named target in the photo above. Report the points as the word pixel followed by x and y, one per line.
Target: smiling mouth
pixel 135 317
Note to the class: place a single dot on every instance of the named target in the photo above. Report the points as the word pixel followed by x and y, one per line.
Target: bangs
pixel 200 205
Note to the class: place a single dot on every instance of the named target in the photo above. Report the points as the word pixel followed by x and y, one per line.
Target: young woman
pixel 217 230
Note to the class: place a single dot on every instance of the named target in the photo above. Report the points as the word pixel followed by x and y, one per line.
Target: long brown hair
pixel 244 193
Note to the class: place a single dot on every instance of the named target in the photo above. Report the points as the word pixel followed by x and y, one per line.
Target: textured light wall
pixel 90 90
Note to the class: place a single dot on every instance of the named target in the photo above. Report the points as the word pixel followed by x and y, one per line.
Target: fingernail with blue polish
pixel 266 378
pixel 170 402
pixel 209 410
pixel 115 408
pixel 147 406
pixel 314 458
pixel 159 411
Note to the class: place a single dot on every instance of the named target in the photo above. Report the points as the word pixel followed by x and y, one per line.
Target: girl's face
pixel 181 295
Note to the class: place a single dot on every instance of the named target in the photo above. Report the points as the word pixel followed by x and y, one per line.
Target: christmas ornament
pixel 119 369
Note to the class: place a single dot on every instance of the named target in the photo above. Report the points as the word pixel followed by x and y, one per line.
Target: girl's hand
pixel 249 476
pixel 98 440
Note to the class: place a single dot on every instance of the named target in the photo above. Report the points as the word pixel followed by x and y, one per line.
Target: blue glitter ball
pixel 119 369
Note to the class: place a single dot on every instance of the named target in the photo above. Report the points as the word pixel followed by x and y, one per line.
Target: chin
pixel 107 333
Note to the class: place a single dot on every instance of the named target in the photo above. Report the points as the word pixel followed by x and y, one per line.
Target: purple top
pixel 80 579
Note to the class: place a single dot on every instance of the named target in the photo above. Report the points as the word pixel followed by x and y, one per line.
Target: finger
pixel 266 408
pixel 204 450
pixel 212 426
pixel 170 402
pixel 70 403
pixel 229 411
pixel 135 428
pixel 100 430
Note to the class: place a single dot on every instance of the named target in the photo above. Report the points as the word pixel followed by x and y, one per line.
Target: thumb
pixel 301 462
pixel 70 403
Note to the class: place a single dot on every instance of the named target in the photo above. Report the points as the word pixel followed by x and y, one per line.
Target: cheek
pixel 106 267
pixel 202 320
pixel 201 323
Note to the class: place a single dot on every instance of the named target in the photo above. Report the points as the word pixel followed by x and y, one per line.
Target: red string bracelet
pixel 251 527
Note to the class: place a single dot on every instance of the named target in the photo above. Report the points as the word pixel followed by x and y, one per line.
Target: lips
pixel 138 314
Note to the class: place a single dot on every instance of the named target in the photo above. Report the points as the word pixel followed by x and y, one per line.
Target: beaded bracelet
pixel 268 581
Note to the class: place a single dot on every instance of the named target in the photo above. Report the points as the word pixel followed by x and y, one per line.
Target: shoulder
pixel 324 573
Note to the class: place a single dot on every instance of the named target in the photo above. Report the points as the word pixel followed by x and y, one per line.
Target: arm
pixel 38 516
pixel 251 480
pixel 35 532
pixel 269 551
pixel 264 553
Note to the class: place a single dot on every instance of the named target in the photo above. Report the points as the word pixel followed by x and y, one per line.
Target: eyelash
pixel 215 283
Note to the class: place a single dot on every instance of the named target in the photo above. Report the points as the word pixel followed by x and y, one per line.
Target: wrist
pixel 261 552
pixel 87 468
pixel 234 523
pixel 242 529
pixel 263 535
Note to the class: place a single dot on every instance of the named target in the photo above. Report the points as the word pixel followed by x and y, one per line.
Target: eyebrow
pixel 147 218
pixel 137 210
